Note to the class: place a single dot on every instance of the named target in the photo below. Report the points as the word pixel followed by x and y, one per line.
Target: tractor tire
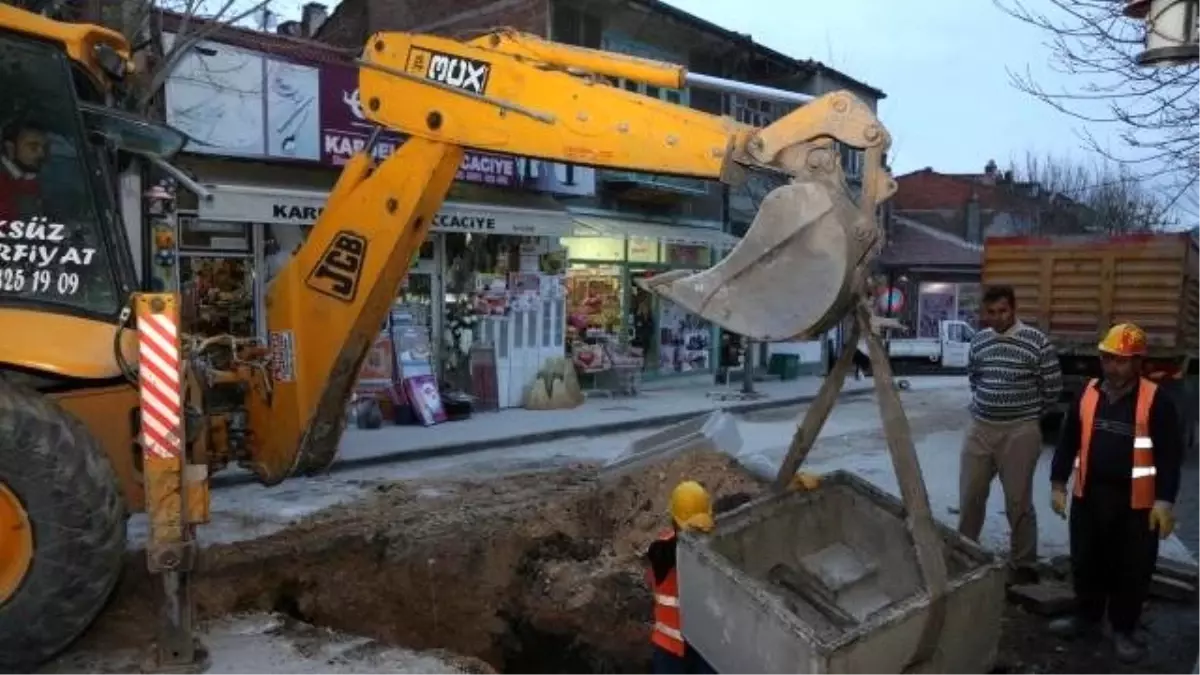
pixel 71 498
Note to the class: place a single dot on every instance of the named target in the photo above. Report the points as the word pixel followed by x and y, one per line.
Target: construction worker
pixel 691 509
pixel 1015 377
pixel 1121 442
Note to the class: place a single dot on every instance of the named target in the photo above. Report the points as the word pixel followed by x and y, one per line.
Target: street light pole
pixel 748 366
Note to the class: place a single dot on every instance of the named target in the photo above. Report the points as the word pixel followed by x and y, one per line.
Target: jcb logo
pixel 338 271
pixel 454 71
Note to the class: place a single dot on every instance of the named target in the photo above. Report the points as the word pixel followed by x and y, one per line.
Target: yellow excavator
pixel 108 407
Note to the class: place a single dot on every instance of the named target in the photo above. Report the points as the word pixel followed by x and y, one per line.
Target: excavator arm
pixel 517 94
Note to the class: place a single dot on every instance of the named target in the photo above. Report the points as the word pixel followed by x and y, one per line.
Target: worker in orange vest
pixel 691 509
pixel 1122 447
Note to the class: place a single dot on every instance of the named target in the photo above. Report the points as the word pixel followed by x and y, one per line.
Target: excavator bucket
pixel 792 276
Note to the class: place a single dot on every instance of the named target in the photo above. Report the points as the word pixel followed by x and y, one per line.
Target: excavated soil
pixel 534 572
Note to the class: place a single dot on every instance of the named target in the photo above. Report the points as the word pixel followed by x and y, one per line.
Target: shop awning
pixel 589 226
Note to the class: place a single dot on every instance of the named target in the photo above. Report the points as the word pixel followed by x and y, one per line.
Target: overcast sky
pixel 942 63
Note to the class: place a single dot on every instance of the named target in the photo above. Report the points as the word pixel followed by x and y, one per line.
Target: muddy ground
pixel 533 572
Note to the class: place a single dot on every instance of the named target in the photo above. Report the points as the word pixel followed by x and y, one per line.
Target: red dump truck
pixel 1075 287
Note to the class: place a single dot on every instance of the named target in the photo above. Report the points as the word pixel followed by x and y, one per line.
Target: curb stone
pixel 467 447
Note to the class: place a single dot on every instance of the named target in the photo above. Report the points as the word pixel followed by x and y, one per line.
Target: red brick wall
pixel 355 20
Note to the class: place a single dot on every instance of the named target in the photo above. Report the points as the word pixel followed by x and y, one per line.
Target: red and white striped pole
pixel 159 379
pixel 161 385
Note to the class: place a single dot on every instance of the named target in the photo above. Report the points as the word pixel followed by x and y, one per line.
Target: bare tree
pixel 143 23
pixel 1157 111
pixel 1102 197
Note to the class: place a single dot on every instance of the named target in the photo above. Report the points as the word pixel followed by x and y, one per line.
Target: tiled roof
pixel 912 243
pixel 929 190
pixel 284 46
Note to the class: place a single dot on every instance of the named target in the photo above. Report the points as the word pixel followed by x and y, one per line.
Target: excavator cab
pixel 66 268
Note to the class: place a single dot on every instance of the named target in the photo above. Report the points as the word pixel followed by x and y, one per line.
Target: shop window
pixel 968 304
pixel 683 340
pixel 945 301
pixel 685 255
pixel 594 299
pixel 205 235
pixel 594 248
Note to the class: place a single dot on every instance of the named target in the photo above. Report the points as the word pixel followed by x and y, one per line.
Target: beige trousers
pixel 1010 449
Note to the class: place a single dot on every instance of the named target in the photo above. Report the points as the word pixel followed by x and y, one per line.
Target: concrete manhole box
pixel 828 582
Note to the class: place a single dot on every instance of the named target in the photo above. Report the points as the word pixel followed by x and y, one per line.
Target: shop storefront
pixel 606 307
pixel 486 275
pixel 939 301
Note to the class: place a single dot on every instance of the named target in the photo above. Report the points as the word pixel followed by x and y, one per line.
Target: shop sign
pixel 259 205
pixel 296 213
pixel 345 131
pixel 458 219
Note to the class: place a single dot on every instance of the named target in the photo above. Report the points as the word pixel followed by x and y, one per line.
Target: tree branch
pixel 1156 111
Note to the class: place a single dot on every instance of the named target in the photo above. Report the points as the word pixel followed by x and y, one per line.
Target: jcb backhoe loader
pixel 107 407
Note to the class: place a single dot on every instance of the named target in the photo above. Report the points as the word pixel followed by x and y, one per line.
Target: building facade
pixel 647 223
pixel 536 258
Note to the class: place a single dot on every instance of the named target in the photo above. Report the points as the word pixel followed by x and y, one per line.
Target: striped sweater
pixel 1014 375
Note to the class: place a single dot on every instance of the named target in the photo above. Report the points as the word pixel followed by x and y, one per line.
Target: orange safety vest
pixel 668 633
pixel 1143 446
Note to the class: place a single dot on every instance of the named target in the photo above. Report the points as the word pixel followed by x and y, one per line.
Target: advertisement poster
pixel 292 115
pixel 683 340
pixel 345 130
pixel 413 350
pixel 426 402
pixel 376 373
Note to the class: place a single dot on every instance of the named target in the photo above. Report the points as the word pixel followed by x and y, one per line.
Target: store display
pixel 410 335
pixel 422 394
pixel 484 386
pixel 491 295
pixel 593 303
pixel 217 295
pixel 684 340
pixel 377 373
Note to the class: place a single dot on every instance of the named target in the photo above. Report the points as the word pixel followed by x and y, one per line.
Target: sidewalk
pixel 517 426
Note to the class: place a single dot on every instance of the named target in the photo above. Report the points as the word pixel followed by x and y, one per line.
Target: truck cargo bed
pixel 1075 287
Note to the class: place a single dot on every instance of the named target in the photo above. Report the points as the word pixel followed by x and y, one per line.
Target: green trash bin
pixel 786 366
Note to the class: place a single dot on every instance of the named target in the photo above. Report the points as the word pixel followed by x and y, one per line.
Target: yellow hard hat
pixel 691 507
pixel 1124 339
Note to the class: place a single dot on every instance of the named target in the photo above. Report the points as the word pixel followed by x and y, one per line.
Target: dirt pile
pixel 535 572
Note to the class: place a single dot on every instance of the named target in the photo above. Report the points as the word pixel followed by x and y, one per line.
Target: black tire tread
pixel 64 479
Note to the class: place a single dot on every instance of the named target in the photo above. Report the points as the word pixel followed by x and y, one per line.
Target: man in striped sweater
pixel 1015 377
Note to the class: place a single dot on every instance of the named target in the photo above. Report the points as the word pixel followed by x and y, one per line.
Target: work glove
pixel 1162 520
pixel 805 481
pixel 1058 500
